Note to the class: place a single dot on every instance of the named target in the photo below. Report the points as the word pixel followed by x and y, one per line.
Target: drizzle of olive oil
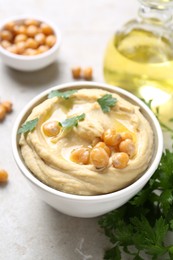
pixel 142 63
pixel 120 128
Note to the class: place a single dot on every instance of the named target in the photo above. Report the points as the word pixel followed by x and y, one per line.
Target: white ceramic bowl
pixel 88 206
pixel 35 62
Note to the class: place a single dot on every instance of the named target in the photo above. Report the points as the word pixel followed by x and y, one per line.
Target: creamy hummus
pixel 48 158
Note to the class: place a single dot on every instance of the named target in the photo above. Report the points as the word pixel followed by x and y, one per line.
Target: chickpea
pixel 3 176
pixel 104 146
pixel 20 38
pixel 31 30
pixel 30 52
pixel 2 112
pixel 111 138
pixel 127 146
pixel 20 29
pixel 5 44
pixel 31 22
pixel 76 72
pixel 87 73
pixel 40 38
pixel 80 155
pixel 46 29
pixel 99 157
pixel 12 48
pixel 31 43
pixel 8 106
pixel 9 26
pixel 6 35
pixel 50 40
pixel 126 135
pixel 51 128
pixel 42 48
pixel 120 160
pixel 21 47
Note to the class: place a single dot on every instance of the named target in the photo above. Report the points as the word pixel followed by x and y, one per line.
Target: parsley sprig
pixel 157 113
pixel 28 126
pixel 64 94
pixel 106 102
pixel 141 225
pixel 144 221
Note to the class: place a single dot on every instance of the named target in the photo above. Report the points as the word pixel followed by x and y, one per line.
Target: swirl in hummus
pixel 49 157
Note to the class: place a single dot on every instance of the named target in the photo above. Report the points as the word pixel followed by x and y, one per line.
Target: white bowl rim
pixel 102 197
pixel 34 57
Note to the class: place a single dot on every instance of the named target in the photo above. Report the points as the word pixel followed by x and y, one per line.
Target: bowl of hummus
pixel 87 148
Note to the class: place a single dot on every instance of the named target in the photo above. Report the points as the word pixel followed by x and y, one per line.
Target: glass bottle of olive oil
pixel 139 57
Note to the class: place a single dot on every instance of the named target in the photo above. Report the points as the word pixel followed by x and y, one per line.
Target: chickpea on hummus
pixel 87 142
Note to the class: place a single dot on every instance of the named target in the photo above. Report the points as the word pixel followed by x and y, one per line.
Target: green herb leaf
pixel 106 102
pixel 28 126
pixel 144 221
pixel 73 121
pixel 64 94
pixel 148 103
pixel 113 253
pixel 156 111
pixel 171 226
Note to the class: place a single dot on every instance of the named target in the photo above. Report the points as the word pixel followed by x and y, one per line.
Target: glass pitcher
pixel 139 57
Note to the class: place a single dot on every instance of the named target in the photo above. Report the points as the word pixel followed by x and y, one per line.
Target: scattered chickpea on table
pixel 3 176
pixel 5 107
pixel 28 37
pixel 86 73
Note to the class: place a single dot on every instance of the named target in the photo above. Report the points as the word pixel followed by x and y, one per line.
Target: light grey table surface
pixel 29 228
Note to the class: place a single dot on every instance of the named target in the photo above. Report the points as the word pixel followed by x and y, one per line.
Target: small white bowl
pixel 88 206
pixel 35 62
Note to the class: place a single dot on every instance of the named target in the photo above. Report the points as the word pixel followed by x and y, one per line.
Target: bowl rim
pixel 34 57
pixel 102 197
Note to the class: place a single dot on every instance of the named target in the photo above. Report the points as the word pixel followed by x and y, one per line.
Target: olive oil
pixel 143 64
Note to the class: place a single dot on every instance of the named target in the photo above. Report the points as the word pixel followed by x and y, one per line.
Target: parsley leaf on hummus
pixel 106 102
pixel 64 94
pixel 72 121
pixel 28 126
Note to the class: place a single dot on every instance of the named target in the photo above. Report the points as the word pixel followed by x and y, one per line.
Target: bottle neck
pixel 159 14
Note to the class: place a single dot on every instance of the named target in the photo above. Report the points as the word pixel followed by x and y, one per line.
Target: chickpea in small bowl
pixel 29 43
